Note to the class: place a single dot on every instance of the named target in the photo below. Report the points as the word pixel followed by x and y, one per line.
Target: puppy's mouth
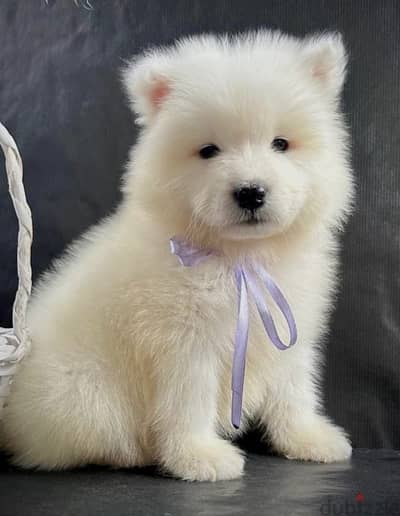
pixel 252 219
pixel 250 225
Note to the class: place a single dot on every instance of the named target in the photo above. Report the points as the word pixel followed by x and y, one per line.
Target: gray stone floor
pixel 369 485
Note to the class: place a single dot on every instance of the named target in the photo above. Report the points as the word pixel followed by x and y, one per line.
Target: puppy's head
pixel 242 136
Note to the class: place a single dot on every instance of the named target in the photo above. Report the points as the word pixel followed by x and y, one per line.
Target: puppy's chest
pixel 213 304
pixel 211 293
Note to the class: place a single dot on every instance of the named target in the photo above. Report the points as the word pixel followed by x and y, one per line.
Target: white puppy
pixel 244 152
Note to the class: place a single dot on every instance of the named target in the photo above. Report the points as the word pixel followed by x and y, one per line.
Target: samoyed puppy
pixel 244 152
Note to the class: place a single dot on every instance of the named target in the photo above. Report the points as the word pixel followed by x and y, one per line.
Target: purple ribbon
pixel 248 282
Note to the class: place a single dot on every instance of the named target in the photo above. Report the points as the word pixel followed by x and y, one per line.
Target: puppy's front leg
pixel 185 413
pixel 292 420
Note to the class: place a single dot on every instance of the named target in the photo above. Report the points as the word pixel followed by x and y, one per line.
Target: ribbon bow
pixel 247 281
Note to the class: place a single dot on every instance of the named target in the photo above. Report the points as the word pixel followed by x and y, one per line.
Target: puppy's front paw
pixel 319 441
pixel 211 460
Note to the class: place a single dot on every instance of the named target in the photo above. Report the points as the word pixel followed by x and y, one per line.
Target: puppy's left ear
pixel 326 59
pixel 147 84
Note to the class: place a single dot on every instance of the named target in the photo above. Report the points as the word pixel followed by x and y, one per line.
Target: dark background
pixel 61 99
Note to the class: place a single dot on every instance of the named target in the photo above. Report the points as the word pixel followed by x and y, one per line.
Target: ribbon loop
pixel 265 314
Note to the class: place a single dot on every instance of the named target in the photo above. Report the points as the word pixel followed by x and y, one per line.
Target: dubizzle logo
pixel 360 505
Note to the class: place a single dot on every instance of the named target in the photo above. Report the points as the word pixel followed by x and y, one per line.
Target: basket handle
pixel 15 342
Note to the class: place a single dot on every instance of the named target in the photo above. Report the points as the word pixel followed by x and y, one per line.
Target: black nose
pixel 250 197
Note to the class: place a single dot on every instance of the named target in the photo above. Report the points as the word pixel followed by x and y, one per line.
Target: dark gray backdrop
pixel 61 99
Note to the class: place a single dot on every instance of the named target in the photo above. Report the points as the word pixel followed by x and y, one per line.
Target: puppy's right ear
pixel 147 84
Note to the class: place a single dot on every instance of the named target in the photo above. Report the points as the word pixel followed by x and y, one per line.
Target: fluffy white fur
pixel 132 352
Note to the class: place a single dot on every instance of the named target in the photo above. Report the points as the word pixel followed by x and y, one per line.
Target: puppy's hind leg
pixel 61 416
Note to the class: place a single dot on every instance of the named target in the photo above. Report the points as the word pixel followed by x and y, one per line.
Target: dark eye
pixel 280 144
pixel 208 151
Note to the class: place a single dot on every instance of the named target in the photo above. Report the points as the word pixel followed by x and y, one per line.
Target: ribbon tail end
pixel 236 409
